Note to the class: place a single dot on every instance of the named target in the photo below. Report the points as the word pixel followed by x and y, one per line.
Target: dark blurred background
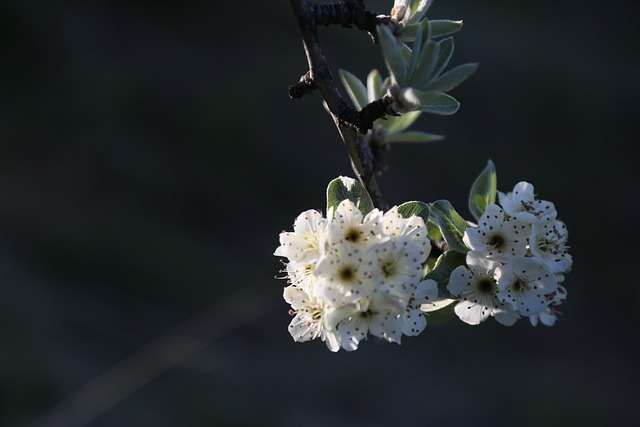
pixel 149 157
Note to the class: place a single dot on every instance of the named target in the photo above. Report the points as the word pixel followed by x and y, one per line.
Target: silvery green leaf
pixel 355 88
pixel 414 136
pixel 393 57
pixel 414 97
pixel 417 10
pixel 423 29
pixel 446 51
pixel 399 123
pixel 442 27
pixel 343 188
pixel 441 272
pixel 443 105
pixel 414 208
pixel 436 304
pixel 483 191
pixel 451 224
pixel 374 85
pixel 426 64
pixel 452 78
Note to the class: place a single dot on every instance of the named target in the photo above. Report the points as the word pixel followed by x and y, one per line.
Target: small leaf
pixel 423 29
pixel 441 272
pixel 355 88
pixel 451 224
pixel 374 85
pixel 426 64
pixel 452 78
pixel 442 27
pixel 414 208
pixel 443 105
pixel 343 188
pixel 393 57
pixel 483 191
pixel 446 51
pixel 396 124
pixel 413 97
pixel 414 136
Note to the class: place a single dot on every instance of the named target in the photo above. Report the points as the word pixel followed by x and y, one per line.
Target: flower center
pixel 496 241
pixel 352 235
pixel 389 269
pixel 346 273
pixel 485 286
pixel 520 285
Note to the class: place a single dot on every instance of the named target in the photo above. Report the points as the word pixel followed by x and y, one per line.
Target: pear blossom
pixel 395 225
pixel 478 292
pixel 306 243
pixel 522 203
pixel 549 316
pixel 413 319
pixel 524 283
pixel 399 263
pixel 497 236
pixel 353 276
pixel 309 321
pixel 350 226
pixel 548 243
pixel 381 319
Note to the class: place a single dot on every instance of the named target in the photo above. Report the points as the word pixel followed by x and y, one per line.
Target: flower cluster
pixel 353 275
pixel 518 257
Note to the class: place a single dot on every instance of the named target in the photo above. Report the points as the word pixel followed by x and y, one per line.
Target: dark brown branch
pixel 320 74
pixel 348 13
pixel 304 86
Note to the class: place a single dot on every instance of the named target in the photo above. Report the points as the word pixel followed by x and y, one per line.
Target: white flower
pixel 478 292
pixel 549 316
pixel 345 276
pixel 548 243
pixel 525 282
pixel 349 226
pixel 309 318
pixel 522 204
pixel 380 319
pixel 413 319
pixel 399 263
pixel 306 243
pixel 395 225
pixel 496 236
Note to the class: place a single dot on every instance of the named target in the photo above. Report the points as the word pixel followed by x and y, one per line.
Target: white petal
pixel 471 313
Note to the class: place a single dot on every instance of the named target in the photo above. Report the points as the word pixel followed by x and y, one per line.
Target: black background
pixel 149 157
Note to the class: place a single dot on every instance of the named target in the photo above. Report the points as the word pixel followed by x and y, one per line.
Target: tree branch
pixel 347 120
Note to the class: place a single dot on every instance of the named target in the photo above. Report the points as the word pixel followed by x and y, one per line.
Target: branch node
pixel 304 86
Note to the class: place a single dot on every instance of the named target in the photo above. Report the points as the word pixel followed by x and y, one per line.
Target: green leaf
pixel 446 51
pixel 416 97
pixel 393 57
pixel 343 188
pixel 374 85
pixel 396 124
pixel 452 78
pixel 441 272
pixel 355 88
pixel 426 64
pixel 451 224
pixel 423 29
pixel 483 191
pixel 442 27
pixel 414 208
pixel 443 105
pixel 414 136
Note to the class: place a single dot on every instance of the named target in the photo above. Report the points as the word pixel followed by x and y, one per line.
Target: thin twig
pixel 319 72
